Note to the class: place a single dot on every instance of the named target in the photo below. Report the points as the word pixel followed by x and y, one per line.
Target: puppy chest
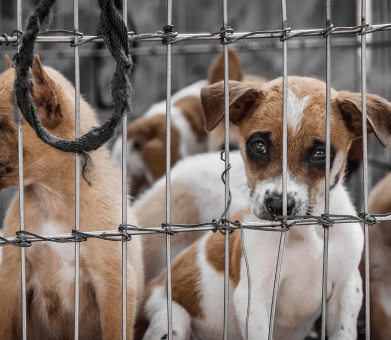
pixel 51 275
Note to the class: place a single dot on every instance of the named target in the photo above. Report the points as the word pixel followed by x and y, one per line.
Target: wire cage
pixel 278 38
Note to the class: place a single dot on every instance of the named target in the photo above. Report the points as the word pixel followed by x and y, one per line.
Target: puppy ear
pixel 378 115
pixel 235 71
pixel 7 61
pixel 45 95
pixel 242 100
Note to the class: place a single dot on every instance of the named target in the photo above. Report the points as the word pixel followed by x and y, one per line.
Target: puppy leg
pixel 343 308
pixel 10 309
pixel 156 310
pixel 106 277
pixel 258 327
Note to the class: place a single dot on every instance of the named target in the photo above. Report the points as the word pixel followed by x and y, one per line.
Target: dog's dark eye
pixel 259 146
pixel 319 155
pixel 137 145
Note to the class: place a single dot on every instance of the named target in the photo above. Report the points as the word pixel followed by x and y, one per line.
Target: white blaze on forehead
pixel 295 108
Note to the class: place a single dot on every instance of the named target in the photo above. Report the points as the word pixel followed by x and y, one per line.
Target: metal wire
pixel 227 166
pixel 21 200
pixel 124 202
pixel 365 168
pixel 233 37
pixel 227 193
pixel 284 173
pixel 169 28
pixel 77 172
pixel 24 239
pixel 327 175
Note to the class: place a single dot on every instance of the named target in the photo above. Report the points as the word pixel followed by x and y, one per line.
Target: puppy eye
pixel 319 155
pixel 137 145
pixel 259 146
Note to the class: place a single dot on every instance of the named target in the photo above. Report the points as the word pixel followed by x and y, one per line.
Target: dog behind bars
pixel 198 273
pixel 49 185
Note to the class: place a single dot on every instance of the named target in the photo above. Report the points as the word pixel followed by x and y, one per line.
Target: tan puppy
pixel 147 134
pixel 198 272
pixel 49 184
pixel 380 259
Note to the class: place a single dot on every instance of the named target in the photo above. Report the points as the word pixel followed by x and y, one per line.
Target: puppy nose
pixel 274 205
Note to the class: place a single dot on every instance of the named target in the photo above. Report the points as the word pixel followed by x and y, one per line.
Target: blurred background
pixel 191 60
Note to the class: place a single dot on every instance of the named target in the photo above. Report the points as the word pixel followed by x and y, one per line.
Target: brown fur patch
pixel 185 281
pixel 217 139
pixel 379 259
pixel 216 71
pixel 7 61
pixel 215 246
pixel 150 132
pixel 183 211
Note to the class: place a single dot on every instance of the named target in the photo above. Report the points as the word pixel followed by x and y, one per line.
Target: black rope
pixel 115 35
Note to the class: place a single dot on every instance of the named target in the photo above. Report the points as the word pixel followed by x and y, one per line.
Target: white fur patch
pixel 202 175
pixel 295 108
pixel 135 163
pixel 212 300
pixel 116 152
pixel 270 187
pixel 337 164
pixel 193 90
pixel 156 310
pixel 65 250
pixel 189 144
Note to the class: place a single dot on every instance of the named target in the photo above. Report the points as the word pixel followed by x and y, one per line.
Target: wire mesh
pixel 169 37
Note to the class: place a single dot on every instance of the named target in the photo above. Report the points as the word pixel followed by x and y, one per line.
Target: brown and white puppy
pixel 49 186
pixel 147 134
pixel 197 274
pixel 380 259
pixel 197 196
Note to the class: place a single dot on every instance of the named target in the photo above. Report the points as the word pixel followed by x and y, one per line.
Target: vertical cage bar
pixel 124 201
pixel 21 198
pixel 327 177
pixel 226 137
pixel 168 176
pixel 77 169
pixel 284 174
pixel 365 167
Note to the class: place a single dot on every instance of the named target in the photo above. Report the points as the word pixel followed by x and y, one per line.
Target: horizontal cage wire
pixel 225 36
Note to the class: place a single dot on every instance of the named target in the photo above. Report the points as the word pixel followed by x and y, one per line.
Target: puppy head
pixel 147 150
pixel 53 97
pixel 257 110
